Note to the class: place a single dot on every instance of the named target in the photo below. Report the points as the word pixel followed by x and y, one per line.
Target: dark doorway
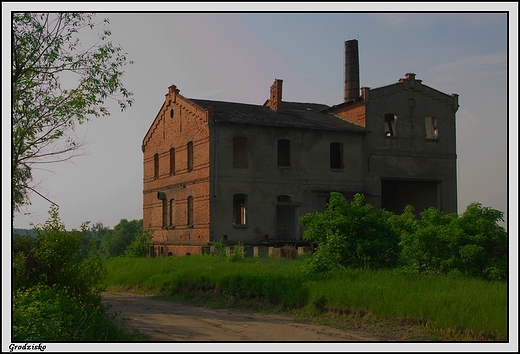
pixel 287 227
pixel 396 194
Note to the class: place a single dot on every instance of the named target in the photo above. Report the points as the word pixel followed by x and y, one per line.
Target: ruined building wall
pixel 176 177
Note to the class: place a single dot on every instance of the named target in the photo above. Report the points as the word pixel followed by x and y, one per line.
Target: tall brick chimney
pixel 275 98
pixel 351 70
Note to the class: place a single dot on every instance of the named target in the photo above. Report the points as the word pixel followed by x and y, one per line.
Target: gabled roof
pixel 292 115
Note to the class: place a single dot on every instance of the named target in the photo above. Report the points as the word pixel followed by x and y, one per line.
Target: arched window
pixel 284 199
pixel 190 211
pixel 171 215
pixel 156 166
pixel 190 156
pixel 239 209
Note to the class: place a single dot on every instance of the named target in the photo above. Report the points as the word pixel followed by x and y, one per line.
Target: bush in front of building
pixel 350 235
pixel 355 235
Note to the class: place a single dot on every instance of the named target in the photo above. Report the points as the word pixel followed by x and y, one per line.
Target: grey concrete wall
pixel 308 181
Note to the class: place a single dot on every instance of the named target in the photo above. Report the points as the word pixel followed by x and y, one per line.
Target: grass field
pixel 446 307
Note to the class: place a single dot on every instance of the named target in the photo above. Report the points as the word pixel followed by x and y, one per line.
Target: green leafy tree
pixel 140 246
pixel 472 244
pixel 54 258
pixel 351 235
pixel 114 242
pixel 58 81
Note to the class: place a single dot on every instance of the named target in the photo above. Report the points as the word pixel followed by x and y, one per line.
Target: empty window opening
pixel 239 151
pixel 190 156
pixel 156 166
pixel 172 113
pixel 172 161
pixel 336 155
pixel 432 131
pixel 284 199
pixel 239 209
pixel 284 153
pixel 190 211
pixel 171 220
pixel 390 124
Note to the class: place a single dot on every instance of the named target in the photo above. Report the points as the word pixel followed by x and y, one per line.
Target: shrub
pixel 219 248
pixel 53 258
pixel 472 244
pixel 351 235
pixel 238 253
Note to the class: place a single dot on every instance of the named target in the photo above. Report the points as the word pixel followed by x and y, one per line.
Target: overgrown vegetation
pixel 445 274
pixel 355 235
pixel 56 288
pixel 442 307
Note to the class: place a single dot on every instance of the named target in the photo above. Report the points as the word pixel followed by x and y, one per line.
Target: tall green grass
pixel 441 301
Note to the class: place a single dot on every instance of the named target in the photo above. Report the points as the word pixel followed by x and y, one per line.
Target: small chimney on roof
pixel 275 97
pixel 351 70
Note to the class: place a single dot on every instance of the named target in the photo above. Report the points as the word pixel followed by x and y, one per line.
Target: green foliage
pixel 219 248
pixel 237 253
pixel 351 235
pixel 114 242
pixel 58 82
pixel 56 288
pixel 472 244
pixel 53 258
pixel 141 244
pixel 441 301
pixel 46 313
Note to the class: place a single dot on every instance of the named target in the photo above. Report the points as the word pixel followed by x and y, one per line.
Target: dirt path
pixel 172 321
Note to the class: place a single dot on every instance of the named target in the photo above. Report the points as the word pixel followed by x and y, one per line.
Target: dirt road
pixel 171 321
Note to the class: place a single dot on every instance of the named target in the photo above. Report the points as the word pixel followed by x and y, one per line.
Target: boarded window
pixel 190 156
pixel 284 153
pixel 390 124
pixel 156 166
pixel 239 209
pixel 190 211
pixel 432 131
pixel 172 161
pixel 336 155
pixel 239 151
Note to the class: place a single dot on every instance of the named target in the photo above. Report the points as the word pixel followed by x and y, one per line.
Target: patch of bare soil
pixel 171 321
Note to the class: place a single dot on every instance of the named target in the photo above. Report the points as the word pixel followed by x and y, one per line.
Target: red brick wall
pixel 188 123
pixel 355 113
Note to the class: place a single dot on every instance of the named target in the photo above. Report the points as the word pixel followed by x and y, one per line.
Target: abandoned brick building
pixel 244 173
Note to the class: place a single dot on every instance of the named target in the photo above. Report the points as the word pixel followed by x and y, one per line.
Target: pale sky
pixel 236 57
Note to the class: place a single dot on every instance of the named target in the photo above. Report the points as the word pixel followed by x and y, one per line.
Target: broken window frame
pixel 284 153
pixel 239 209
pixel 240 151
pixel 390 125
pixel 336 156
pixel 432 128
